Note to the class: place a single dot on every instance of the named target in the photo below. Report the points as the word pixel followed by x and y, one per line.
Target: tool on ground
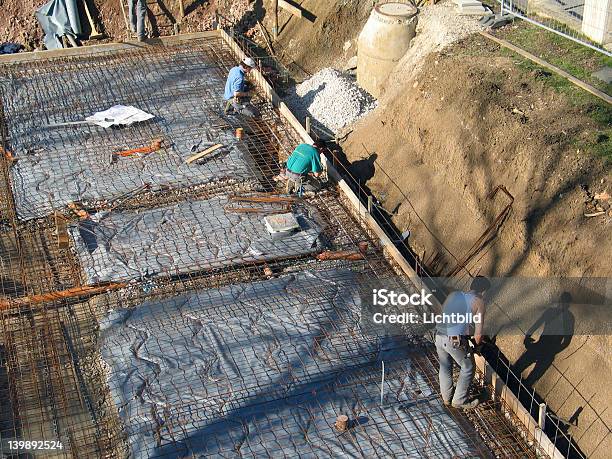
pixel 339 255
pixel 203 153
pixel 78 210
pixel 156 144
pixel 94 32
pixel 266 198
pixel 69 123
pixel 342 423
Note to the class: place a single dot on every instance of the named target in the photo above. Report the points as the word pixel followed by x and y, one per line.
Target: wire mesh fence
pixel 586 22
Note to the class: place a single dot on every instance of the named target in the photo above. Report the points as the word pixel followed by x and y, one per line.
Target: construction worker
pixel 237 90
pixel 137 10
pixel 304 161
pixel 459 311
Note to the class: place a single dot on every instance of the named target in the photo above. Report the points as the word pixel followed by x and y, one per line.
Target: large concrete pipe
pixel 383 41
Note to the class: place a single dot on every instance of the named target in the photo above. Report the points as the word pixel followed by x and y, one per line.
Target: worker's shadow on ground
pixel 364 169
pixel 191 7
pixel 557 324
pixel 309 97
pixel 248 21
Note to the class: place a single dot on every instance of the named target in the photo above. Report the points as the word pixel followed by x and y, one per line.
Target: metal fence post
pixel 542 416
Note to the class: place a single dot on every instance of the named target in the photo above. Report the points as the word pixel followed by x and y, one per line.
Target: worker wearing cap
pixel 237 90
pixel 137 10
pixel 305 160
pixel 460 310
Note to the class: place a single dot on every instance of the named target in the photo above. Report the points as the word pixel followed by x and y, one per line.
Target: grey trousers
pixel 137 12
pixel 462 357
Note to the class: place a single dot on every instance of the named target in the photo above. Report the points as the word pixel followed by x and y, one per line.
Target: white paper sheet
pixel 119 115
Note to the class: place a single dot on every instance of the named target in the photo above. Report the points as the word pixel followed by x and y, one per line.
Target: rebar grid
pixel 288 353
pixel 55 374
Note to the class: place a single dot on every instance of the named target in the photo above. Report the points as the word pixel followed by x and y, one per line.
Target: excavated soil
pixel 469 122
pixel 18 23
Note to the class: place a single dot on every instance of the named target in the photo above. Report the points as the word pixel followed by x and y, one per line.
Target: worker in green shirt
pixel 304 160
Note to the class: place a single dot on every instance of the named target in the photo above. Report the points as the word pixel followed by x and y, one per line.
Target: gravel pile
pixel 439 26
pixel 332 99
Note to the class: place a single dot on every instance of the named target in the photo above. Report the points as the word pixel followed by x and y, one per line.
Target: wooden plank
pixel 291 8
pixel 201 154
pixel 61 229
pixel 275 19
pixel 101 48
pixel 512 402
pixel 581 84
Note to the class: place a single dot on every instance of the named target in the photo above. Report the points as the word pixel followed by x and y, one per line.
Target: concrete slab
pixel 604 74
pixel 473 10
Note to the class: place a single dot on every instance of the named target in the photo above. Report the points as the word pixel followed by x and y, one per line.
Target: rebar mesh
pixel 259 354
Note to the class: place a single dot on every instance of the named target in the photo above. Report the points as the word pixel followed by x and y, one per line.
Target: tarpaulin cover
pixel 58 18
pixel 263 370
pixel 188 236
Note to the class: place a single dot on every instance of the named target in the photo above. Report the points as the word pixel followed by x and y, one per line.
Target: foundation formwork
pixel 251 350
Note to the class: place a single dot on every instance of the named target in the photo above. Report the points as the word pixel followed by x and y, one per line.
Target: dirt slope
pixel 472 124
pixel 467 123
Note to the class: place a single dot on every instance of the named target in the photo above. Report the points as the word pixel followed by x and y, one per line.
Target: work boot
pixel 468 406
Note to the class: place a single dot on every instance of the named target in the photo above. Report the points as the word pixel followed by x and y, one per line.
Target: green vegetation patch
pixel 574 58
pixel 599 142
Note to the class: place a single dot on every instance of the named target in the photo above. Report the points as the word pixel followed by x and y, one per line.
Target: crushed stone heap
pixel 331 98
